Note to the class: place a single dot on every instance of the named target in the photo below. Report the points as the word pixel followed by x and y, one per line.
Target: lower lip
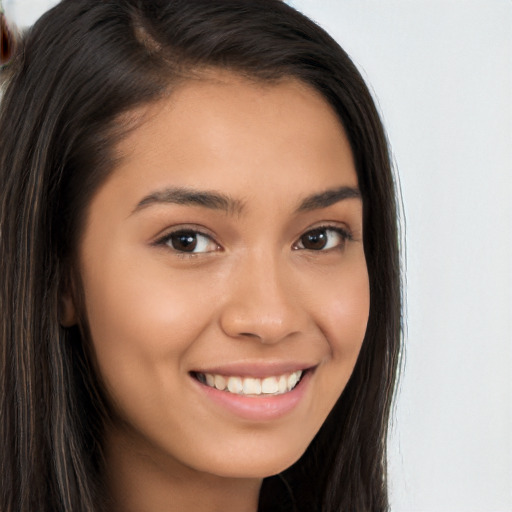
pixel 258 408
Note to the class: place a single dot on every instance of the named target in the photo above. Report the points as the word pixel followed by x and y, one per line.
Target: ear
pixel 67 305
pixel 67 310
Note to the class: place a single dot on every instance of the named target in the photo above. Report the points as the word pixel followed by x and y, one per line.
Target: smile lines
pixel 251 386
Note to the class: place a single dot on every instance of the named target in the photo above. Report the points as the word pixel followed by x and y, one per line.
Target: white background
pixel 25 12
pixel 442 75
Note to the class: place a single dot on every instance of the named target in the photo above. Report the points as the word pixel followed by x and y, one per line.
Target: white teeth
pixel 269 385
pixel 235 385
pixel 282 384
pixel 292 380
pixel 220 382
pixel 251 386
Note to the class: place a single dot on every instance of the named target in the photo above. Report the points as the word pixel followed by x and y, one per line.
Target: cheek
pixel 343 310
pixel 347 319
pixel 142 323
pixel 342 315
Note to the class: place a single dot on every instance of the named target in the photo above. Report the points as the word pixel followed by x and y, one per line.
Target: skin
pixel 255 294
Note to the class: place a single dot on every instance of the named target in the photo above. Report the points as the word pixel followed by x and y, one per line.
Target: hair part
pixel 71 92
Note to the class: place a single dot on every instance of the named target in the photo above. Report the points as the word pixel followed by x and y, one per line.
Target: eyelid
pixel 163 239
pixel 335 226
pixel 341 230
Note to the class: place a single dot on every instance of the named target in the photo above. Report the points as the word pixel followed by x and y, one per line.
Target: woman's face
pixel 222 261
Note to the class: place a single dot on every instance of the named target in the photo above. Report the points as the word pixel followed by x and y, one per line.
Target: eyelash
pixel 344 234
pixel 166 240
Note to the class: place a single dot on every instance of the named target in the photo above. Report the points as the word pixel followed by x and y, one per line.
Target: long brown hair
pixel 77 72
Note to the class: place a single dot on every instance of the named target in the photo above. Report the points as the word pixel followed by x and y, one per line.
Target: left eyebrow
pixel 328 198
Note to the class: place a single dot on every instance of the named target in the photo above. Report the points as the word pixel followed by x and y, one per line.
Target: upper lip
pixel 256 369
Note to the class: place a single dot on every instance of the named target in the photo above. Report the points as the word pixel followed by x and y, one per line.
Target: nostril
pixel 250 335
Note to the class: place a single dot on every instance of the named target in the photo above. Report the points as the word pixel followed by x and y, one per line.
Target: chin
pixel 254 466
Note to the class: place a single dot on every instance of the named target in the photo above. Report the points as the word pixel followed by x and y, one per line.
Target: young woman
pixel 200 287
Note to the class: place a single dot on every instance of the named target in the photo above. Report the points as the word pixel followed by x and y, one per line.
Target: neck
pixel 141 480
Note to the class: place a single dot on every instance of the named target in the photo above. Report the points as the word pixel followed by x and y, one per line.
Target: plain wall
pixel 442 76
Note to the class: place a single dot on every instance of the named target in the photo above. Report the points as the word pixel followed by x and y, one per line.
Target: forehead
pixel 231 134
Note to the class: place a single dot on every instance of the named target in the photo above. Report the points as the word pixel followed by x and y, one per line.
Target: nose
pixel 262 302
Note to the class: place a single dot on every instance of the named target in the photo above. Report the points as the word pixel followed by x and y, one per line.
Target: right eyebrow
pixel 212 200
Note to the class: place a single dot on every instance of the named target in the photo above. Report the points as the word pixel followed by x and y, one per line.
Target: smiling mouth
pixel 250 386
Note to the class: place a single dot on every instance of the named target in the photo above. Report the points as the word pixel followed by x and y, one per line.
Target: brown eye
pixel 322 239
pixel 189 241
pixel 314 240
pixel 183 241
